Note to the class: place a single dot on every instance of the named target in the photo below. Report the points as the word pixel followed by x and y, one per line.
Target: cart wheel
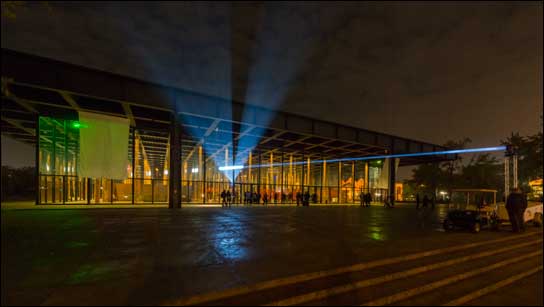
pixel 476 227
pixel 448 225
pixel 537 220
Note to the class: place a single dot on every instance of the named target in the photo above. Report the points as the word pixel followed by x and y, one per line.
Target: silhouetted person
pixel 362 198
pixel 306 199
pixel 417 201
pixel 299 198
pixel 229 198
pixel 265 199
pixel 223 198
pixel 425 201
pixel 368 199
pixel 516 203
pixel 314 198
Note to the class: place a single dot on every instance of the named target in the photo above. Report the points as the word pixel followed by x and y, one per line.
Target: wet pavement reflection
pixel 152 254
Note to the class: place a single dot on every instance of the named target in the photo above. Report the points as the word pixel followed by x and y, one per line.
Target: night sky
pixel 431 72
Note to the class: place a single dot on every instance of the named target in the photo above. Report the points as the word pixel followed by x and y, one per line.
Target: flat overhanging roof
pixel 35 85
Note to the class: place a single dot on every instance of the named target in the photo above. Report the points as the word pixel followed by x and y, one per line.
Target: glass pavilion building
pixel 180 142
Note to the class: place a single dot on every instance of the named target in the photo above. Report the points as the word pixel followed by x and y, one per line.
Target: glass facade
pixel 147 168
pixel 275 174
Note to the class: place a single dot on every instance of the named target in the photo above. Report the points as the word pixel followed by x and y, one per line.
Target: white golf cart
pixel 476 208
pixel 472 209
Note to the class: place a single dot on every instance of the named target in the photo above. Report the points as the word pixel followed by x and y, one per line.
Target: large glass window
pixel 146 165
pixel 58 160
pixel 279 173
pixel 151 177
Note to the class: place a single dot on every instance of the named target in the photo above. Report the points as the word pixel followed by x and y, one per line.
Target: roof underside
pixel 33 85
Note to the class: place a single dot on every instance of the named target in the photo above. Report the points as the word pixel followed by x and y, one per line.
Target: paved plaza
pixel 197 255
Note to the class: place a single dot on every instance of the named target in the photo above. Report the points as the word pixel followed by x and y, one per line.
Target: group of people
pixel 366 199
pixel 253 198
pixel 226 198
pixel 426 201
pixel 303 199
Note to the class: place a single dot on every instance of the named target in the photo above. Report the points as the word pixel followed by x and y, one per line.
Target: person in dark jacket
pixel 229 198
pixel 223 198
pixel 306 200
pixel 362 197
pixel 516 203
pixel 425 201
pixel 299 198
pixel 368 199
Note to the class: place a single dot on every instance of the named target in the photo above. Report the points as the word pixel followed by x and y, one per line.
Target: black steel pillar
pixel 54 164
pixel 65 162
pixel 133 167
pixel 392 180
pixel 89 186
pixel 174 187
pixel 353 181
pixel 323 172
pixel 281 187
pixel 204 180
pixel 303 175
pixel 259 173
pixel 37 157
pixel 339 181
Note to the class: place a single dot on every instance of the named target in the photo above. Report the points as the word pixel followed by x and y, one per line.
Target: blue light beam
pixel 418 154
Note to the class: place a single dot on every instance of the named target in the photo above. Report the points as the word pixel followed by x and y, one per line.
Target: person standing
pixel 362 198
pixel 306 198
pixel 425 201
pixel 299 196
pixel 265 198
pixel 516 203
pixel 229 198
pixel 368 199
pixel 223 198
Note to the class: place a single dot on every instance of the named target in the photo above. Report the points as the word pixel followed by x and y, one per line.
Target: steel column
pixel 174 187
pixel 37 162
pixel 392 179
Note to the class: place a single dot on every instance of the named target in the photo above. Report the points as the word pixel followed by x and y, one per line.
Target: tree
pixel 454 166
pixel 18 183
pixel 483 172
pixel 428 178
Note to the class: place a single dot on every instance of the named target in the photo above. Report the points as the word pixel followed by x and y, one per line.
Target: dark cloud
pixel 427 71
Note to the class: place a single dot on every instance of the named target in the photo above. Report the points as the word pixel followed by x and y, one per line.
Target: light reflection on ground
pixel 227 235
